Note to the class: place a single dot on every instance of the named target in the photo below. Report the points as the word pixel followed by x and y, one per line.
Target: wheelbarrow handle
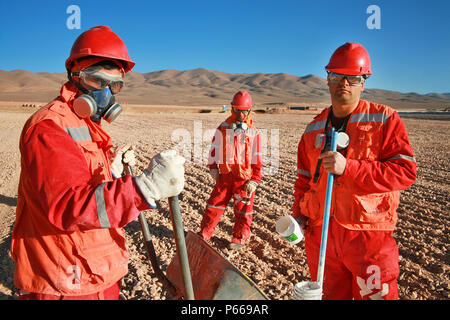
pixel 153 258
pixel 180 240
pixel 151 249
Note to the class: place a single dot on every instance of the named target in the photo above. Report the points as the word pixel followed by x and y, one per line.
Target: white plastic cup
pixel 307 290
pixel 289 229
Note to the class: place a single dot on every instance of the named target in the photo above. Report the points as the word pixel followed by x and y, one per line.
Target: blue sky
pixel 410 53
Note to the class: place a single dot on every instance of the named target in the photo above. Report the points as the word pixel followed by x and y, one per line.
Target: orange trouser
pixel 112 293
pixel 359 265
pixel 226 187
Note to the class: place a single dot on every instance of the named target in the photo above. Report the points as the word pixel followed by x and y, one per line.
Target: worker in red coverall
pixel 235 163
pixel 68 241
pixel 374 161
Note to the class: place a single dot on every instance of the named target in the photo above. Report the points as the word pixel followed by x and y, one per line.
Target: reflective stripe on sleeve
pixel 316 126
pixel 79 134
pixel 402 156
pixel 304 172
pixel 101 207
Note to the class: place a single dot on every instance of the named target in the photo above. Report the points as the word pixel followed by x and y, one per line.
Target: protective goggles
pixel 352 80
pixel 98 80
pixel 246 112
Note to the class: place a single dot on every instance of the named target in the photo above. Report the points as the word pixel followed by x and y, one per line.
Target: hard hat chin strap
pixel 76 83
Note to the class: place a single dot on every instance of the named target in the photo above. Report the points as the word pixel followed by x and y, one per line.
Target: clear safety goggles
pixel 352 80
pixel 99 80
pixel 245 112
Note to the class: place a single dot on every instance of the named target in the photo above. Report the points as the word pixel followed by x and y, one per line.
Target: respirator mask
pixel 239 126
pixel 242 116
pixel 98 100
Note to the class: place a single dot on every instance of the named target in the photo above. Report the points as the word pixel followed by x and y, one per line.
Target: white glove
pixel 250 187
pixel 214 173
pixel 122 155
pixel 163 178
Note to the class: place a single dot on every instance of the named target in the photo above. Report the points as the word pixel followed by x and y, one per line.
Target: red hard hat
pixel 100 42
pixel 350 58
pixel 242 101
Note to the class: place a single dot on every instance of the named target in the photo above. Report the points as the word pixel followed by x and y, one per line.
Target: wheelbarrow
pixel 213 276
pixel 198 271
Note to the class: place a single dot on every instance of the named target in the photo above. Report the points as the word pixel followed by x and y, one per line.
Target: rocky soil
pixel 422 231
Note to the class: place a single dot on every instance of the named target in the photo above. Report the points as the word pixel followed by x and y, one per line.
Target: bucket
pixel 307 290
pixel 289 229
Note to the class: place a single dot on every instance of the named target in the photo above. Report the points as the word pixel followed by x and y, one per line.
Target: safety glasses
pixel 245 112
pixel 352 80
pixel 100 80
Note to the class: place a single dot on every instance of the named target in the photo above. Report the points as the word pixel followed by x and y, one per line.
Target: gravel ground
pixel 421 233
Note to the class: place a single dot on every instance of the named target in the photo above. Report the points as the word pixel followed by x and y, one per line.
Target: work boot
pixel 236 246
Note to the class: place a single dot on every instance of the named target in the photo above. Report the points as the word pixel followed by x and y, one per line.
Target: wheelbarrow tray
pixel 213 276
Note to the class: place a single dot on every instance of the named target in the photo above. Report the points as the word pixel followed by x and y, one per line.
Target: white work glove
pixel 250 187
pixel 163 178
pixel 214 173
pixel 122 155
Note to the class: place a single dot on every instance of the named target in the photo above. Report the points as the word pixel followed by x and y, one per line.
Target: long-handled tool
pixel 310 290
pixel 151 249
pixel 195 259
pixel 326 215
pixel 180 243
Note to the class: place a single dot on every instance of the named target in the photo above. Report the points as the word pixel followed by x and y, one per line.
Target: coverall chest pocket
pixel 366 141
pixel 96 161
pixel 241 149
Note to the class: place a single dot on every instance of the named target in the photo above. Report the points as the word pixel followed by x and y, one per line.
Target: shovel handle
pixel 178 229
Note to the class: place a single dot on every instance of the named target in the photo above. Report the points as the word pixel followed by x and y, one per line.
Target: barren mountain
pixel 207 87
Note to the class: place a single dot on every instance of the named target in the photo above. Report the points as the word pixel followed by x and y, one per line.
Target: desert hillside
pixel 207 87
